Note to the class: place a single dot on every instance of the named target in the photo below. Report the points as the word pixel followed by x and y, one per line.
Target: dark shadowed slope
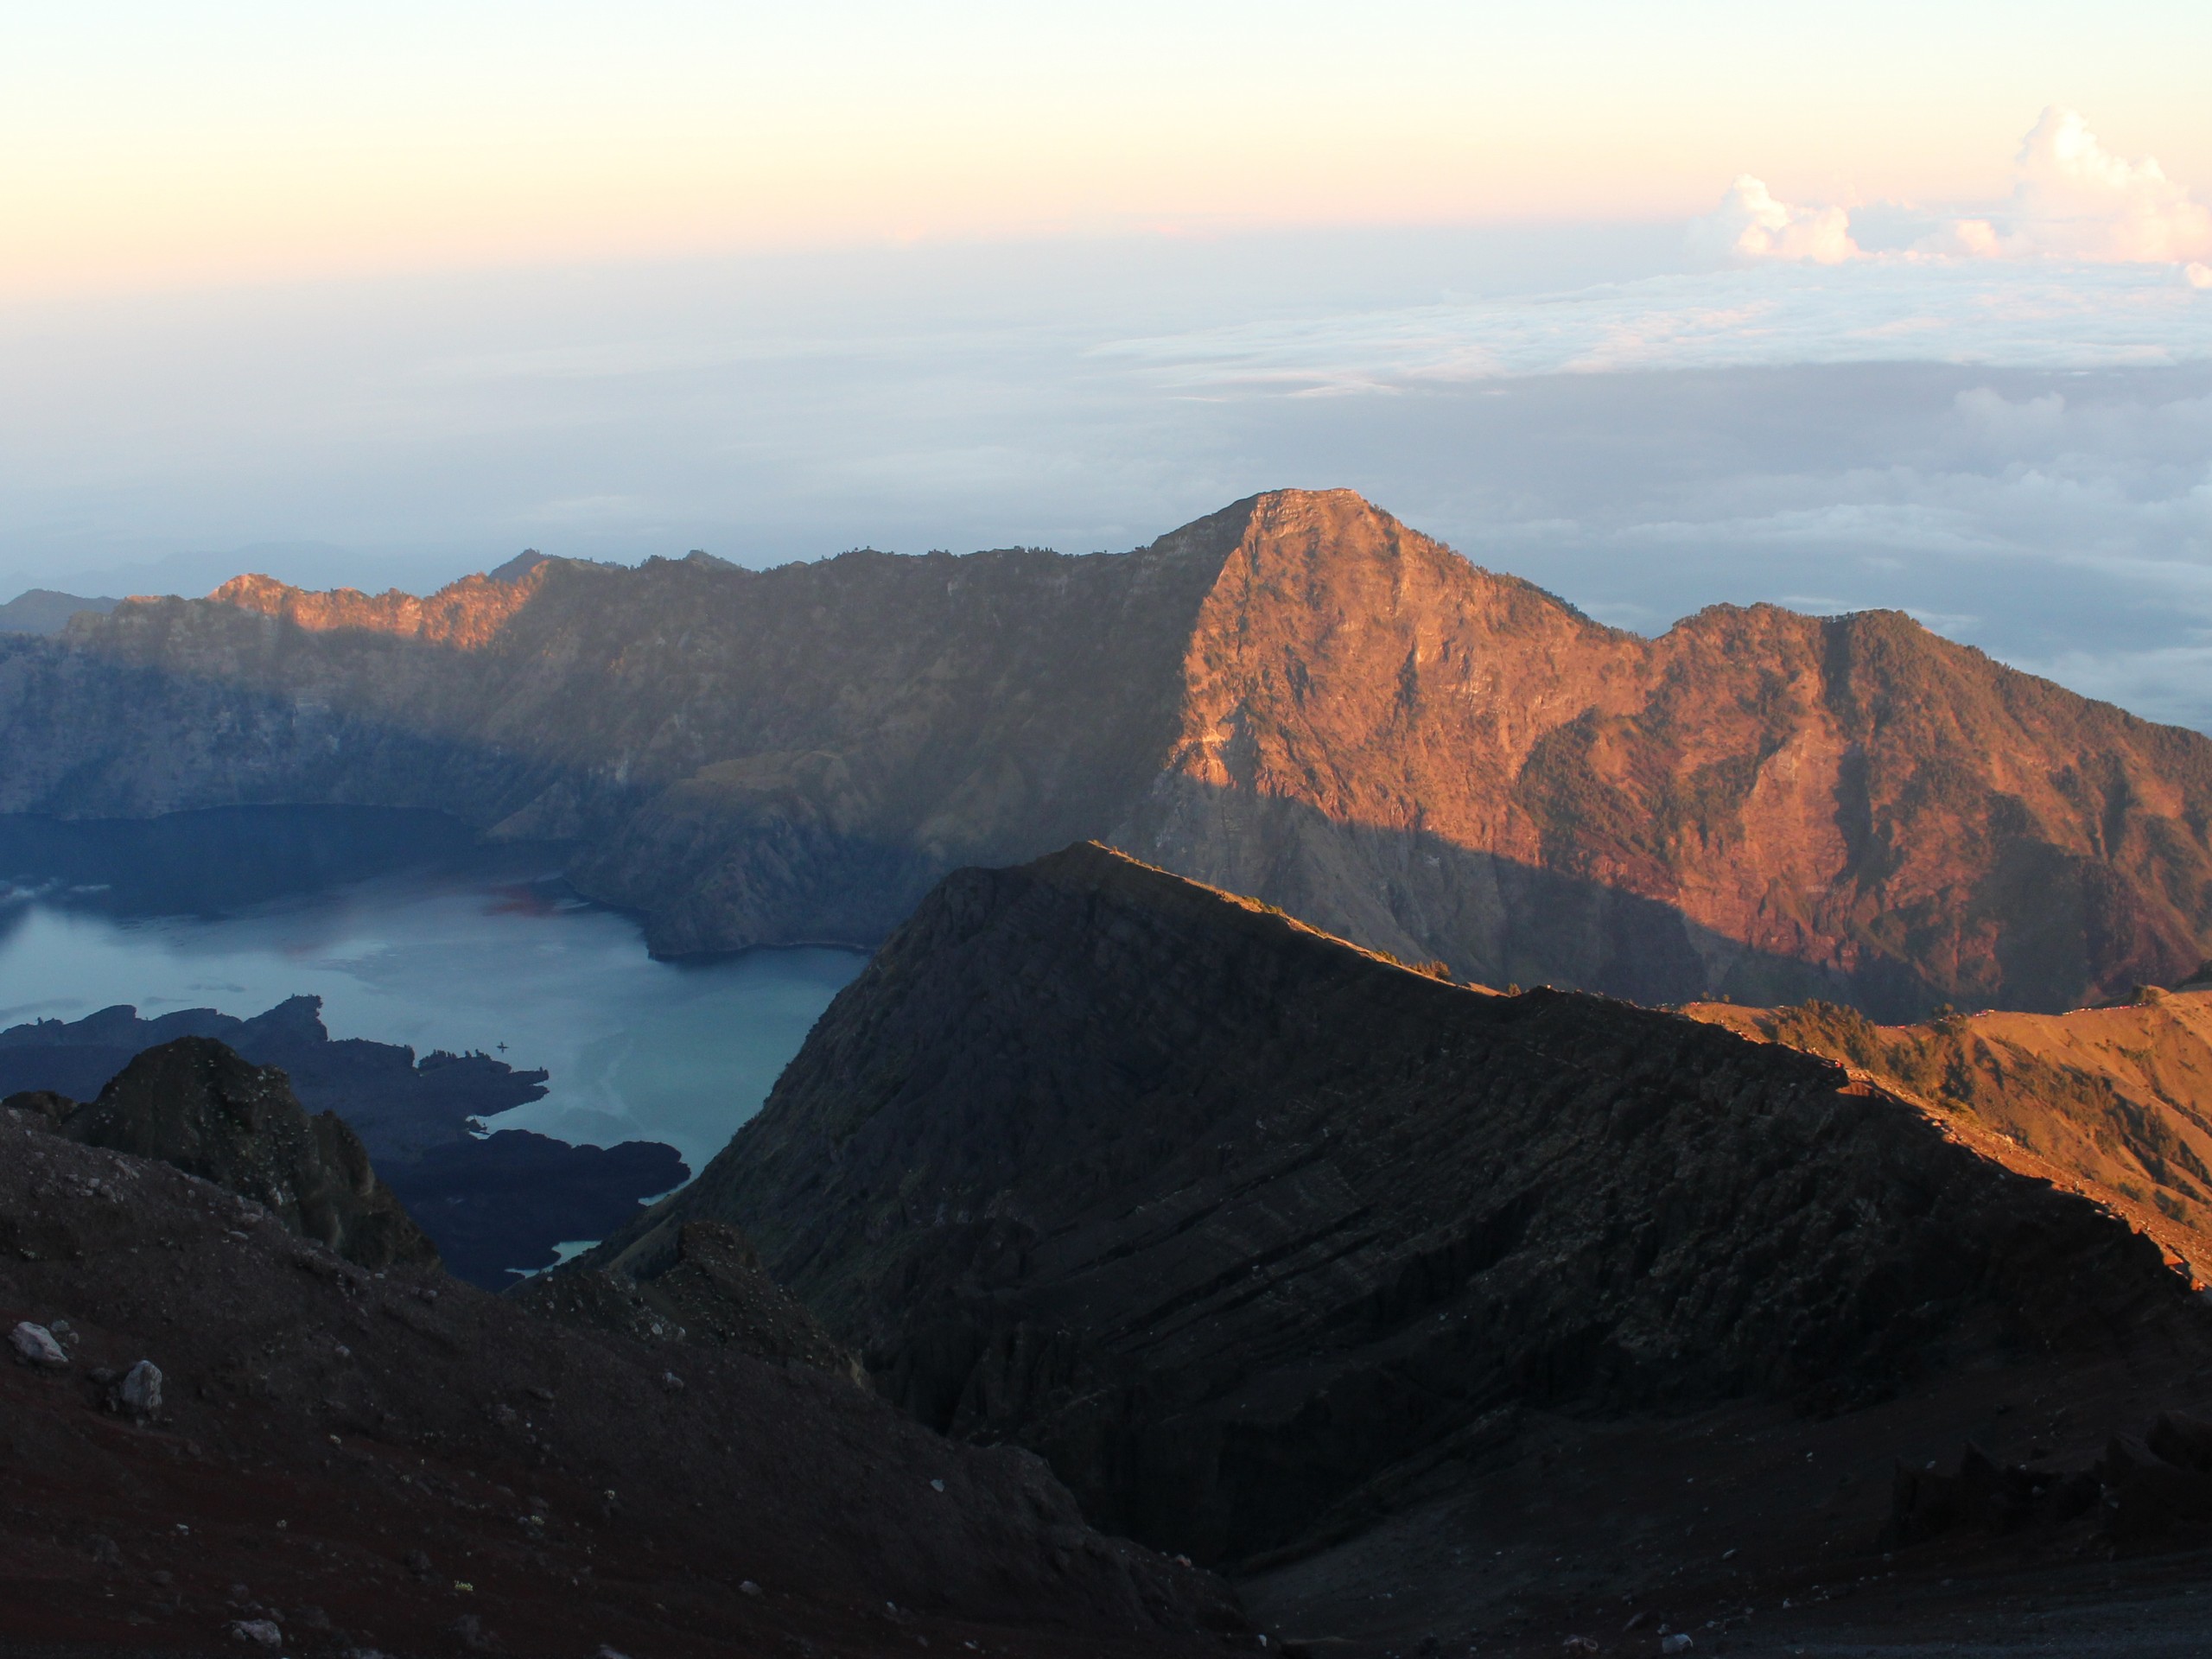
pixel 394 1461
pixel 1298 698
pixel 1261 1239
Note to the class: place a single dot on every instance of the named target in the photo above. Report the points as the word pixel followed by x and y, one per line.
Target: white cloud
pixel 2072 200
pixel 2077 200
pixel 1750 224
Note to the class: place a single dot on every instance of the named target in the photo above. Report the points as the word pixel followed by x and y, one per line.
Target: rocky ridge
pixel 496 1204
pixel 400 1105
pixel 1269 1244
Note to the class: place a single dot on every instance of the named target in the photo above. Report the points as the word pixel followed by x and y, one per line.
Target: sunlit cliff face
pixel 466 614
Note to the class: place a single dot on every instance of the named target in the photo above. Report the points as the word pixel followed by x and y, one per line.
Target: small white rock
pixel 141 1389
pixel 256 1632
pixel 937 1485
pixel 1678 1643
pixel 749 1588
pixel 35 1343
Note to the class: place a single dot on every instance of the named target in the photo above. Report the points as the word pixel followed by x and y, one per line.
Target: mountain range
pixel 1297 697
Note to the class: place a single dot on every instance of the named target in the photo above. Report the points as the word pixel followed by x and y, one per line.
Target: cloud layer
pixel 2021 314
pixel 2076 199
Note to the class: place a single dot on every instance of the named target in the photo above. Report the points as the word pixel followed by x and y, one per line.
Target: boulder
pixel 140 1391
pixel 35 1346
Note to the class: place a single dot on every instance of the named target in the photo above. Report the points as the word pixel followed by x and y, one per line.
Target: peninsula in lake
pixel 493 1203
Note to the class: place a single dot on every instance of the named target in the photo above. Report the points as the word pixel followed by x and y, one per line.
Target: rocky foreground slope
pixel 1420 1308
pixel 1298 698
pixel 338 1460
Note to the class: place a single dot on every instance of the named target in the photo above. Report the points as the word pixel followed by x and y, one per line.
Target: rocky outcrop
pixel 1298 698
pixel 2116 1102
pixel 465 615
pixel 2154 1488
pixel 195 1105
pixel 400 1105
pixel 1251 1232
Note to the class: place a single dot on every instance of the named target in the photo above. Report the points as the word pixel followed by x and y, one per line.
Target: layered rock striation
pixel 1298 698
pixel 1251 1232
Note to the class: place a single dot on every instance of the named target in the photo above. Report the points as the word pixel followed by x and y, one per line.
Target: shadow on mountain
pixel 1333 1275
pixel 801 844
pixel 1493 920
pixel 211 860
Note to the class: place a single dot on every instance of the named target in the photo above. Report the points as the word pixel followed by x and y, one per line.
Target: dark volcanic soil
pixel 399 1461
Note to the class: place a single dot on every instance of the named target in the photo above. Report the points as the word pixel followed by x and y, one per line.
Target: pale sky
pixel 149 144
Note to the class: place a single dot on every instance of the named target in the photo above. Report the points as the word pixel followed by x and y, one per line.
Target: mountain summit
pixel 1297 697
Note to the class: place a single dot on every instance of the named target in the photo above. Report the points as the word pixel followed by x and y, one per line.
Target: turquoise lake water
pixel 638 1049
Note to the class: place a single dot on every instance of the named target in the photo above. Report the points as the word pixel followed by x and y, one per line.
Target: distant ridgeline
pixel 490 1205
pixel 42 610
pixel 1298 698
